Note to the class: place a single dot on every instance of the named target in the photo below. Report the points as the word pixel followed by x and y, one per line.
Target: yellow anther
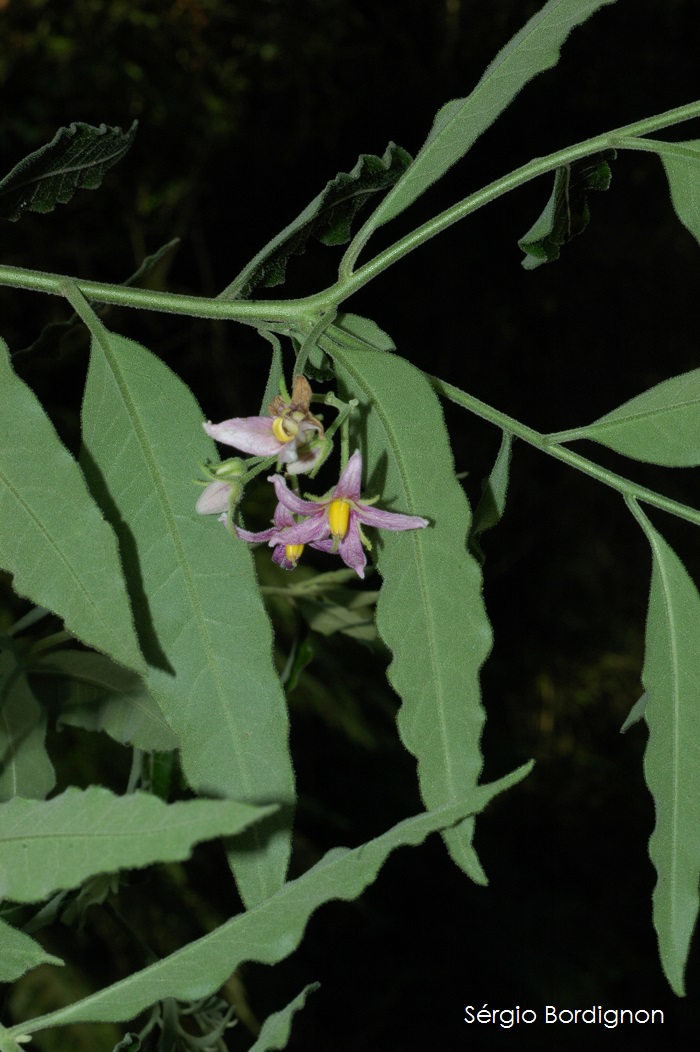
pixel 284 429
pixel 338 518
pixel 292 552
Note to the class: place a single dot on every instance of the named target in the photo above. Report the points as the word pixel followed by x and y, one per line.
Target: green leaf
pixel 98 695
pixel 277 1028
pixel 271 931
pixel 19 953
pixel 489 510
pixel 671 678
pixel 54 845
pixel 76 158
pixel 25 767
pixel 660 426
pixel 52 536
pixel 199 614
pixel 681 161
pixel 566 214
pixel 328 218
pixel 430 611
pixel 345 610
pixel 459 123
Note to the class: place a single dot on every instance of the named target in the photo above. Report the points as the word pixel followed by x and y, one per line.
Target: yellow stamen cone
pixel 281 426
pixel 293 552
pixel 338 518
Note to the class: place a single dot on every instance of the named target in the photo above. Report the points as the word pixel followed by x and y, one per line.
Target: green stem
pixel 543 442
pixel 307 310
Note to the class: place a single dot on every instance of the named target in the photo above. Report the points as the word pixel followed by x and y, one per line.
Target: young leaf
pixel 459 123
pixel 19 953
pixel 566 214
pixel 98 695
pixel 54 845
pixel 76 158
pixel 671 678
pixel 25 767
pixel 430 611
pixel 198 610
pixel 52 536
pixel 272 930
pixel 277 1027
pixel 328 218
pixel 660 426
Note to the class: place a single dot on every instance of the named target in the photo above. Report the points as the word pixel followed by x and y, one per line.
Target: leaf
pixel 459 123
pixel 54 845
pixel 671 678
pixel 566 214
pixel 271 931
pixel 489 510
pixel 52 536
pixel 19 953
pixel 681 161
pixel 277 1028
pixel 98 695
pixel 660 426
pixel 76 158
pixel 328 218
pixel 25 767
pixel 430 611
pixel 199 613
pixel 636 712
pixel 345 610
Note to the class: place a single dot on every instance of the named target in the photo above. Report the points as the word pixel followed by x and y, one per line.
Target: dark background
pixel 246 110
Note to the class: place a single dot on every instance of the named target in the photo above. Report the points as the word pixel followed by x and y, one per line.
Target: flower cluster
pixel 329 524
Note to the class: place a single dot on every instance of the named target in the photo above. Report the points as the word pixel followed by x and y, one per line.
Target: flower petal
pixel 312 529
pixel 350 482
pixel 291 501
pixel 388 520
pixel 250 434
pixel 263 535
pixel 351 550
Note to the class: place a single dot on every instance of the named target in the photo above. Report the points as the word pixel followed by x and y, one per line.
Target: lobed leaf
pixel 459 123
pixel 328 218
pixel 566 214
pixel 19 953
pixel 660 426
pixel 98 695
pixel 199 614
pixel 76 158
pixel 277 1028
pixel 430 610
pixel 25 767
pixel 53 537
pixel 271 931
pixel 55 845
pixel 671 679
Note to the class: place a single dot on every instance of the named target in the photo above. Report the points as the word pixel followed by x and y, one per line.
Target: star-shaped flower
pixel 288 433
pixel 331 524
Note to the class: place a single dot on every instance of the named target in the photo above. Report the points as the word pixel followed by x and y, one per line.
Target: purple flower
pixel 333 524
pixel 285 555
pixel 288 433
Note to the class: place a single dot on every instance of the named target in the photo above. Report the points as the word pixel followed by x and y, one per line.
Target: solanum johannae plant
pixel 145 548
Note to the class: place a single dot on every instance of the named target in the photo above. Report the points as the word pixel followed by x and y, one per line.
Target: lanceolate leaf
pixel 98 695
pixel 77 157
pixel 202 624
pixel 671 678
pixel 430 610
pixel 52 536
pixel 460 123
pixel 660 426
pixel 54 845
pixel 490 508
pixel 19 953
pixel 681 161
pixel 25 767
pixel 566 214
pixel 272 930
pixel 328 218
